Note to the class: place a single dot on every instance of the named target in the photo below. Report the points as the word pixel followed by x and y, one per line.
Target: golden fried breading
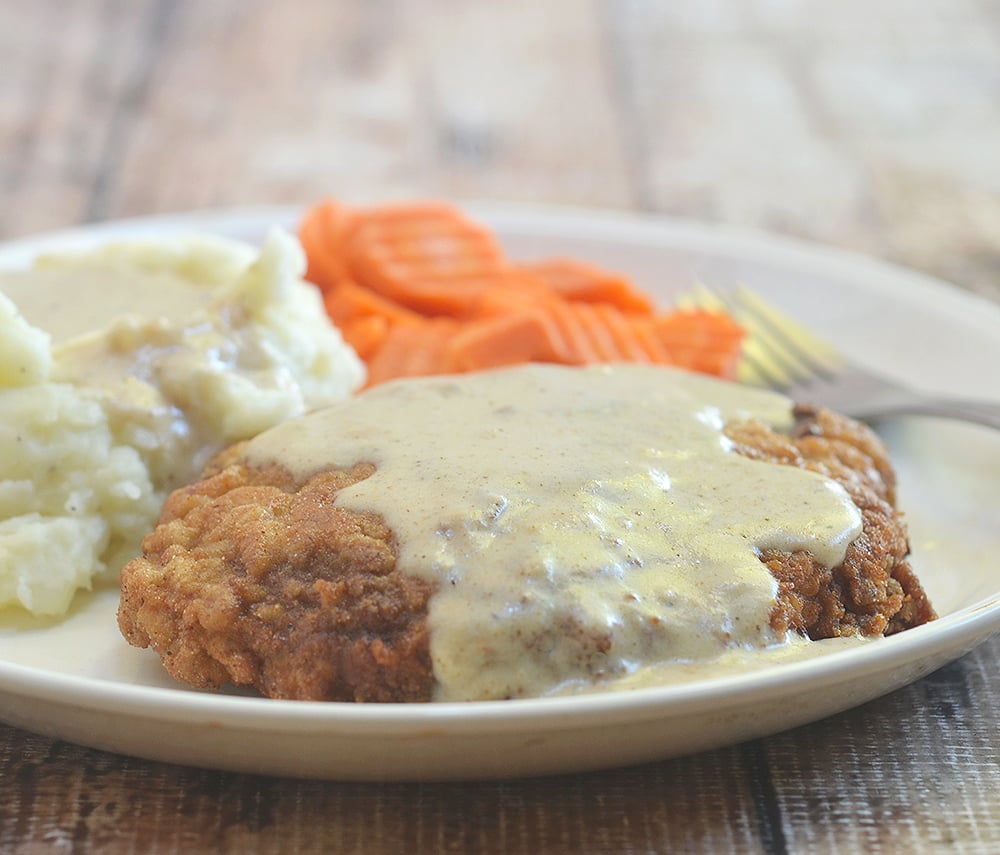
pixel 874 591
pixel 259 581
pixel 250 581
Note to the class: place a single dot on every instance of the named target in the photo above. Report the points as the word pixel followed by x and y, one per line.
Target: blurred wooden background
pixel 869 124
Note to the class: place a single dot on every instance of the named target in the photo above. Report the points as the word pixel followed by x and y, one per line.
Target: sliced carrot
pixel 413 350
pixel 366 335
pixel 350 301
pixel 425 256
pixel 650 343
pixel 495 292
pixel 510 339
pixel 588 283
pixel 701 340
pixel 421 289
pixel 621 327
pixel 601 340
pixel 513 291
pixel 322 233
pixel 573 327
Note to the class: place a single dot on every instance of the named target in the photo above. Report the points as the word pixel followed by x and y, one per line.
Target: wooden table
pixel 867 124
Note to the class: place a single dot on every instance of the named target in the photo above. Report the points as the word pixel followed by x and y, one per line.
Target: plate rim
pixel 965 628
pixel 968 626
pixel 745 241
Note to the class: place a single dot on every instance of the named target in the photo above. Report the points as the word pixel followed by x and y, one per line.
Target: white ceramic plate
pixel 79 681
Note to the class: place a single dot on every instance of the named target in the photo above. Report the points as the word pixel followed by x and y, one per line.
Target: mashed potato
pixel 154 355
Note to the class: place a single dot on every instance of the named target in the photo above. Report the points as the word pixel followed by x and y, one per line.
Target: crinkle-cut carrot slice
pixel 485 293
pixel 572 327
pixel 621 328
pixel 699 327
pixel 602 340
pixel 584 282
pixel 364 317
pixel 365 334
pixel 456 297
pixel 421 289
pixel 507 339
pixel 426 256
pixel 701 340
pixel 413 350
pixel 322 233
pixel 650 343
pixel 512 291
pixel 719 364
pixel 349 301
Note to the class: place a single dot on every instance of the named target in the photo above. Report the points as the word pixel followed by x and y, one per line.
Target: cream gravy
pixel 71 302
pixel 150 357
pixel 579 524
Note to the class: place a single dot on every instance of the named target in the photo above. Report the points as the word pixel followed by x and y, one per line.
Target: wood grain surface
pixel 916 771
pixel 872 125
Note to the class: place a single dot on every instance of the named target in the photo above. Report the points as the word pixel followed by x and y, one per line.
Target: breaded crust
pixel 258 581
pixel 253 580
pixel 874 591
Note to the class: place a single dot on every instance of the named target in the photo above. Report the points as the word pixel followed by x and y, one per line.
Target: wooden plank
pixel 67 70
pixel 820 126
pixel 832 126
pixel 252 107
pixel 917 771
pixel 98 802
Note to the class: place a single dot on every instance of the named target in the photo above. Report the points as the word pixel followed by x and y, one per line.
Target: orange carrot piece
pixel 425 256
pixel 600 338
pixel 365 334
pixel 349 301
pixel 701 340
pixel 496 292
pixel 512 291
pixel 421 289
pixel 322 234
pixel 508 339
pixel 621 327
pixel 413 350
pixel 573 327
pixel 582 282
pixel 650 343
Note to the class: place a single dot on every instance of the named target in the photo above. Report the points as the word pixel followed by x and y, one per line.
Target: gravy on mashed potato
pixel 122 371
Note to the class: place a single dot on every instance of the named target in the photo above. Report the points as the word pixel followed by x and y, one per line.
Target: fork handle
pixel 979 412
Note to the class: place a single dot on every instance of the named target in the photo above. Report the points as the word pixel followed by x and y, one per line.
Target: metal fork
pixel 782 354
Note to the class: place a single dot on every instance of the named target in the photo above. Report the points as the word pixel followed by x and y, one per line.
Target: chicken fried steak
pixel 263 577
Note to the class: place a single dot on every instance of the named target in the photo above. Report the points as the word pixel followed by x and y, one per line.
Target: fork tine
pixel 786 337
pixel 781 353
pixel 759 366
pixel 763 365
pixel 778 351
